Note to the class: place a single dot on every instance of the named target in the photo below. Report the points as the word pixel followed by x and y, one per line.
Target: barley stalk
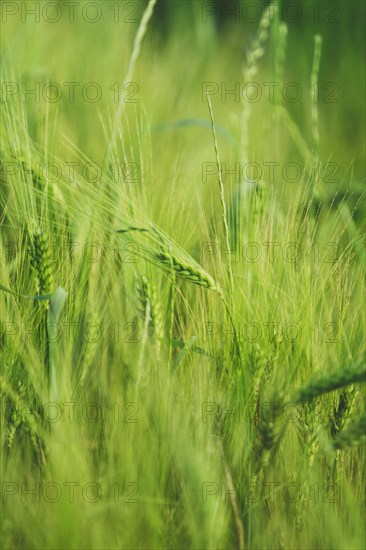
pixel 233 501
pixel 255 54
pixel 342 378
pixel 280 52
pixel 130 70
pixel 222 196
pixel 256 50
pixel 314 101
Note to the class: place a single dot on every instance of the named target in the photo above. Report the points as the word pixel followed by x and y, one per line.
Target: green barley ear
pixel 149 303
pixel 254 55
pixel 308 432
pixel 90 346
pixel 314 80
pixel 280 52
pixel 351 395
pixel 339 415
pixel 21 418
pixel 41 262
pixel 353 436
pixel 256 51
pixel 270 430
pixel 189 271
pixel 340 379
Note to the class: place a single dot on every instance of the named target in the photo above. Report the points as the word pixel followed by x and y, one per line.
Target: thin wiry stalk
pixel 222 197
pixel 130 70
pixel 315 84
pixel 256 52
pixel 234 502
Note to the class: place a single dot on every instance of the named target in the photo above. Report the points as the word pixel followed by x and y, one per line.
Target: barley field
pixel 182 296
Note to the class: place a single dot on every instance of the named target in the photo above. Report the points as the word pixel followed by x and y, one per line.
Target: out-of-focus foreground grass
pixel 168 394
